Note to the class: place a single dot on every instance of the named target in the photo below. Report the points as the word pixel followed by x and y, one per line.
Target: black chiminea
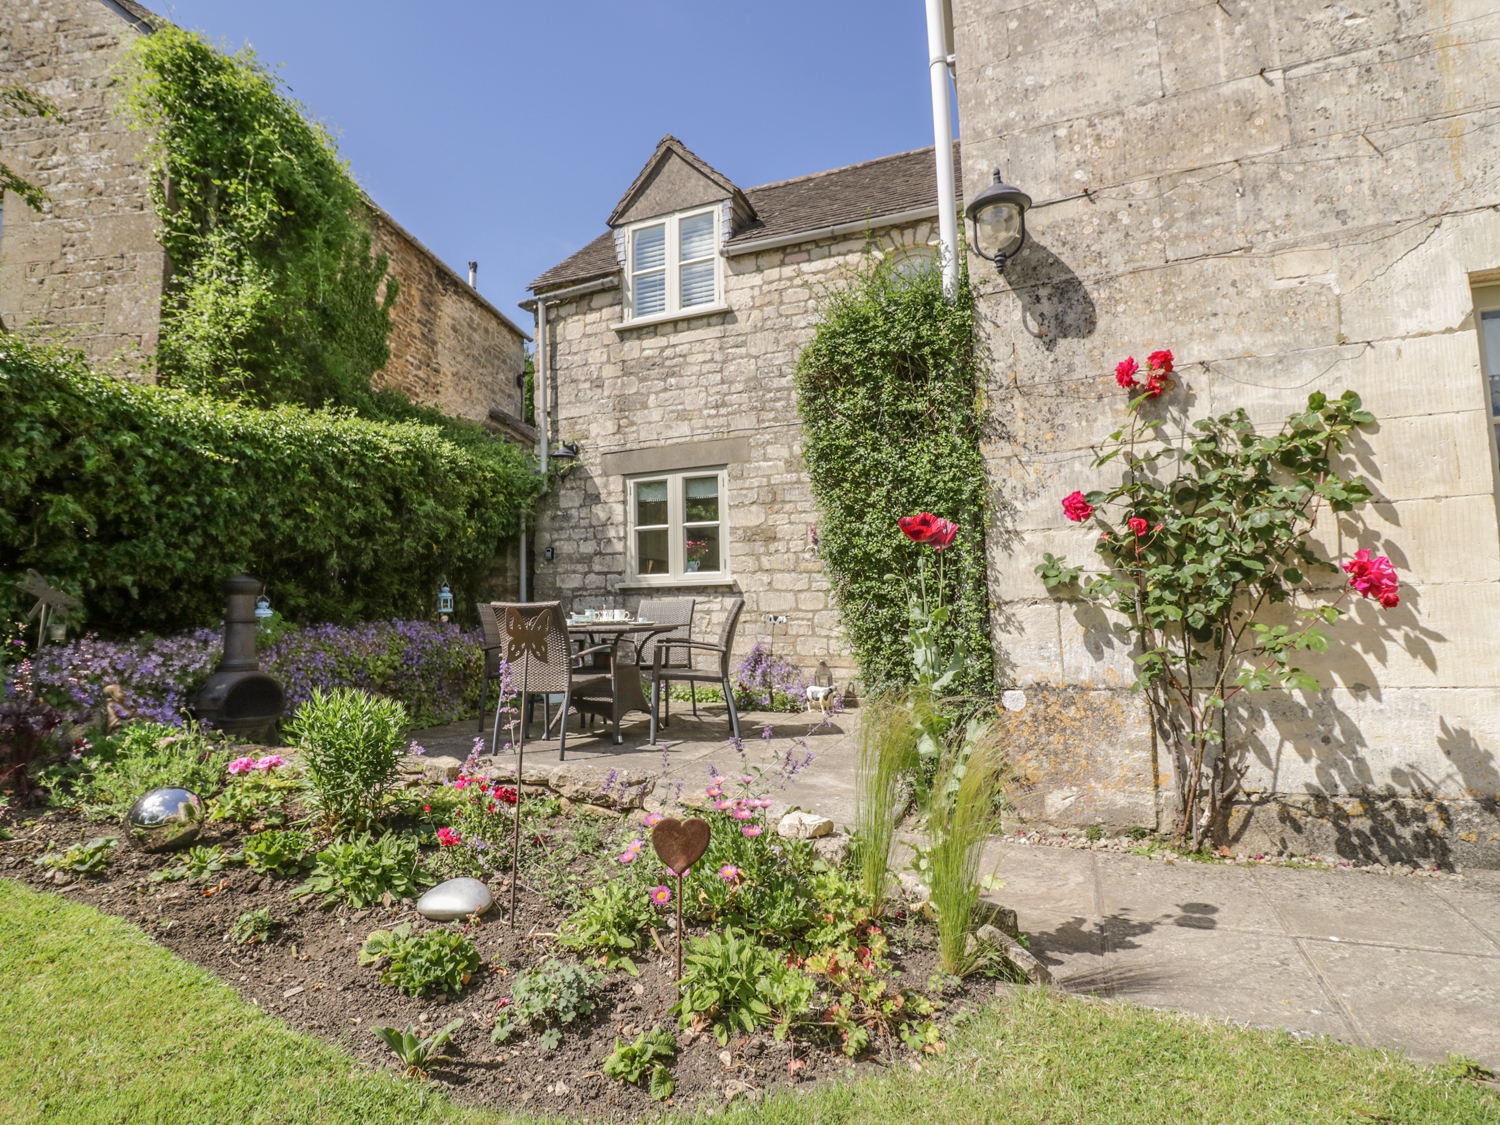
pixel 239 697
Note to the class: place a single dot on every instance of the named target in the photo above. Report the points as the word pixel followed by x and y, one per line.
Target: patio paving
pixel 1378 960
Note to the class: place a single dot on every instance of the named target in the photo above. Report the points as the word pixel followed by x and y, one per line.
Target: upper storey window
pixel 673 264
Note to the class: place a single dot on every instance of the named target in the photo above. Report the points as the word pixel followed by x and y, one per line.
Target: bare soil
pixel 307 975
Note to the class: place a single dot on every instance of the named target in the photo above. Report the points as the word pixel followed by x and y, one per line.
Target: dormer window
pixel 673 264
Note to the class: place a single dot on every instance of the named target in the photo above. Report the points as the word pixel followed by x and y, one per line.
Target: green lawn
pixel 98 1024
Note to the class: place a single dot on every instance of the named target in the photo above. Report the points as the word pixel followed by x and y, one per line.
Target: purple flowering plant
pixel 434 669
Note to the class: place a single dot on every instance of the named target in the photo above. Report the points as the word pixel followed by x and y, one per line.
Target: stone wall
pixel 450 348
pixel 1292 197
pixel 88 267
pixel 725 376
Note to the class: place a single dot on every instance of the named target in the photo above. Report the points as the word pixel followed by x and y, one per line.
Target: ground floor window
pixel 678 526
pixel 1487 321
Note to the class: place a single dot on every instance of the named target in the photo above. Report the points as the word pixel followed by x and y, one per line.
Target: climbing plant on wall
pixel 888 391
pixel 273 294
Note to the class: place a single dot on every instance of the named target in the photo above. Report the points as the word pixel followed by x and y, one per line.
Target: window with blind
pixel 678 527
pixel 673 264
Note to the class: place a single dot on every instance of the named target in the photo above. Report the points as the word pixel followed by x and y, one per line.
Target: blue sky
pixel 506 132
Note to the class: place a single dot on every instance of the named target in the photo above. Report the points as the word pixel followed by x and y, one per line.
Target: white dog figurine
pixel 820 696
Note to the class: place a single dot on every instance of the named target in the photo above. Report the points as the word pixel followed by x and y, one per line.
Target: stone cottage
pixel 1291 197
pixel 665 351
pixel 89 266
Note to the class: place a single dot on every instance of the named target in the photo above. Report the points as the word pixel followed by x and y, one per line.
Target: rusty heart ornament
pixel 680 844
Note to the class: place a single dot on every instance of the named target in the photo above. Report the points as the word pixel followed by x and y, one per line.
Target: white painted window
pixel 678 527
pixel 1487 321
pixel 672 264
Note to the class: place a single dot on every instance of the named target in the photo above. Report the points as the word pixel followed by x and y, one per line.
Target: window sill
pixel 675 583
pixel 668 318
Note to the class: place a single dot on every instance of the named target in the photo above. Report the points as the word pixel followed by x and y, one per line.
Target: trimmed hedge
pixel 143 499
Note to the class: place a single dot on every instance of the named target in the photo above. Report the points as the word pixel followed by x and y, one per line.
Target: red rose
pixel 1160 361
pixel 919 529
pixel 1138 525
pixel 1125 373
pixel 1374 576
pixel 1076 508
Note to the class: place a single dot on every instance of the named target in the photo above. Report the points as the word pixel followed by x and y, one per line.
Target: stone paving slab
pixel 1380 960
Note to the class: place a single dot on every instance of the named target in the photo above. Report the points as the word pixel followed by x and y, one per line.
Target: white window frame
pixel 678 574
pixel 674 309
pixel 1486 296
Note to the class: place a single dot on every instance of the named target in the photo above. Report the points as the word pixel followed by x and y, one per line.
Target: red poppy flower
pixel 1160 361
pixel 919 529
pixel 943 535
pixel 1125 373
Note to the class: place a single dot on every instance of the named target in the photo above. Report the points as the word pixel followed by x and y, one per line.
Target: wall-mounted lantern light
pixel 999 217
pixel 566 456
pixel 445 601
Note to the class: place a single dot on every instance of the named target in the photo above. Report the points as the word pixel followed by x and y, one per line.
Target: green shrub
pixel 549 998
pixel 741 984
pixel 888 394
pixel 612 921
pixel 142 499
pixel 358 872
pixel 252 927
pixel 438 961
pixel 148 756
pixel 85 859
pixel 352 742
pixel 645 1057
pixel 277 851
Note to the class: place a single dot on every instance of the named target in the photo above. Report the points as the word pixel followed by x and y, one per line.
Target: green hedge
pixel 143 499
pixel 888 390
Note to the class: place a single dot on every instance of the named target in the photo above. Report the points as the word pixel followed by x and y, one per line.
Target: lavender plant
pixel 435 670
pixel 764 681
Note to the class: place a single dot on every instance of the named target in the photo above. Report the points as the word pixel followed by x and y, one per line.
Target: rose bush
pixel 1214 539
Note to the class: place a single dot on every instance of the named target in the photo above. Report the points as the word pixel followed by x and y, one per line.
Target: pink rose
pixel 1125 373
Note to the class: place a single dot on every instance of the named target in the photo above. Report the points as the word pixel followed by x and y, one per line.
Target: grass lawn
pixel 98 1024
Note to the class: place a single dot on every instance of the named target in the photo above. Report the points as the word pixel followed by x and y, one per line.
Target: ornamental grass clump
pixel 887 756
pixel 351 743
pixel 1206 552
pixel 965 813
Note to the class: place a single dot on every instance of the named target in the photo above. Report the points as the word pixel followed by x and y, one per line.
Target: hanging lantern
pixel 445 600
pixel 263 611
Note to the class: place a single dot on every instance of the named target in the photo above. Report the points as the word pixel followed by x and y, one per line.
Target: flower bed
pixel 433 669
pixel 787 970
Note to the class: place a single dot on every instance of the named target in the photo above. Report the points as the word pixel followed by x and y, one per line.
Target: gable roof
pixel 136 15
pixel 872 190
pixel 665 148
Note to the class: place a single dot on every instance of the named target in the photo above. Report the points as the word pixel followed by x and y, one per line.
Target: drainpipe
pixel 939 54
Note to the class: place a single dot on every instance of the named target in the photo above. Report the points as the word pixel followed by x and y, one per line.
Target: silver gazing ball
pixel 164 819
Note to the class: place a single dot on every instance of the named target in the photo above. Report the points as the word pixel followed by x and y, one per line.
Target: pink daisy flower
pixel 729 873
pixel 751 830
pixel 661 896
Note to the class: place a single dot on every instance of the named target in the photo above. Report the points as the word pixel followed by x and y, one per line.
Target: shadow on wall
pixel 1054 302
pixel 1346 808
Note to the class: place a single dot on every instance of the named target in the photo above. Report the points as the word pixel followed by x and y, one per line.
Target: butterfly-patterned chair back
pixel 534 641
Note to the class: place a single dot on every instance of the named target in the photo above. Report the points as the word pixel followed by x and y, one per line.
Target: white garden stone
pixel 803 826
pixel 457 898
